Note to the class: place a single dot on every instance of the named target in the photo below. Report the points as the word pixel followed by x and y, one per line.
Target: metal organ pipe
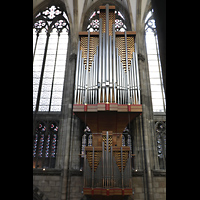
pixel 86 77
pixel 137 73
pixel 96 86
pixel 114 65
pixel 82 80
pixel 107 52
pixel 127 71
pixel 117 74
pixel 103 70
pixel 79 75
pixel 76 76
pixel 111 79
pixel 100 59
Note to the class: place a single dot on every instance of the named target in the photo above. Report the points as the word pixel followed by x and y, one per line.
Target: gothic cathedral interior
pixel 99 106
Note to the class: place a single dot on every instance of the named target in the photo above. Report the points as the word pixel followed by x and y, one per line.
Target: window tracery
pixel 93 25
pixel 155 70
pixel 50 40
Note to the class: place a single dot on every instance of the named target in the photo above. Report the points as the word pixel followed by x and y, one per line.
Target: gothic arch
pixel 47 3
pixel 119 6
pixel 148 7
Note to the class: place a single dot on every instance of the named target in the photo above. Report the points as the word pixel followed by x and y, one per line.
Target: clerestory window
pixel 50 42
pixel 155 69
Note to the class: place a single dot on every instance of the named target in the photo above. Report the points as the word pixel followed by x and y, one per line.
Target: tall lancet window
pixel 50 42
pixel 155 69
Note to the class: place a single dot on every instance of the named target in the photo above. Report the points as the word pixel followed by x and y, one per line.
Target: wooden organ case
pixel 107 98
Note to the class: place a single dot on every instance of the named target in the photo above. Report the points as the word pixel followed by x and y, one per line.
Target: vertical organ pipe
pixel 132 81
pixel 120 76
pixel 103 164
pixel 82 80
pixel 103 70
pixel 76 76
pixel 122 169
pixel 111 74
pixel 93 83
pixel 79 75
pixel 127 71
pixel 135 79
pixel 96 73
pixel 93 167
pixel 86 77
pixel 100 59
pixel 114 65
pixel 137 72
pixel 107 52
pixel 117 74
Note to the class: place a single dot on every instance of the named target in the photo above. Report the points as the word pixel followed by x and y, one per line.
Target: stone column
pixel 147 115
pixel 67 117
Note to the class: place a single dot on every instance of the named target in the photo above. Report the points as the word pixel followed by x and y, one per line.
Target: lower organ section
pixel 107 165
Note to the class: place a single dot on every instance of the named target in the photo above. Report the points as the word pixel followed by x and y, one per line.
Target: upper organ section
pixel 107 67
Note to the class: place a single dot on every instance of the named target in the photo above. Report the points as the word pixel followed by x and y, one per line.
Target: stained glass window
pixel 50 41
pixel 45 142
pixel 160 129
pixel 93 25
pixel 155 70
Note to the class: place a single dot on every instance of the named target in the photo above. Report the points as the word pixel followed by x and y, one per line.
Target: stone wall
pixel 159 188
pixel 76 187
pixel 48 182
pixel 138 188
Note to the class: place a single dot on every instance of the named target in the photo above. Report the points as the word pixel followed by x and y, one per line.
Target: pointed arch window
pixel 155 69
pixel 93 25
pixel 50 42
pixel 45 141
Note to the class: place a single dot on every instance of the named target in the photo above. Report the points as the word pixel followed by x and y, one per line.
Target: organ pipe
pixel 137 72
pixel 110 58
pixel 127 71
pixel 107 52
pixel 114 64
pixel 77 70
pixel 100 59
pixel 103 71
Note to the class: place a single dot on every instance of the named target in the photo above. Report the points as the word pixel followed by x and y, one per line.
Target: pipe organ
pixel 107 98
